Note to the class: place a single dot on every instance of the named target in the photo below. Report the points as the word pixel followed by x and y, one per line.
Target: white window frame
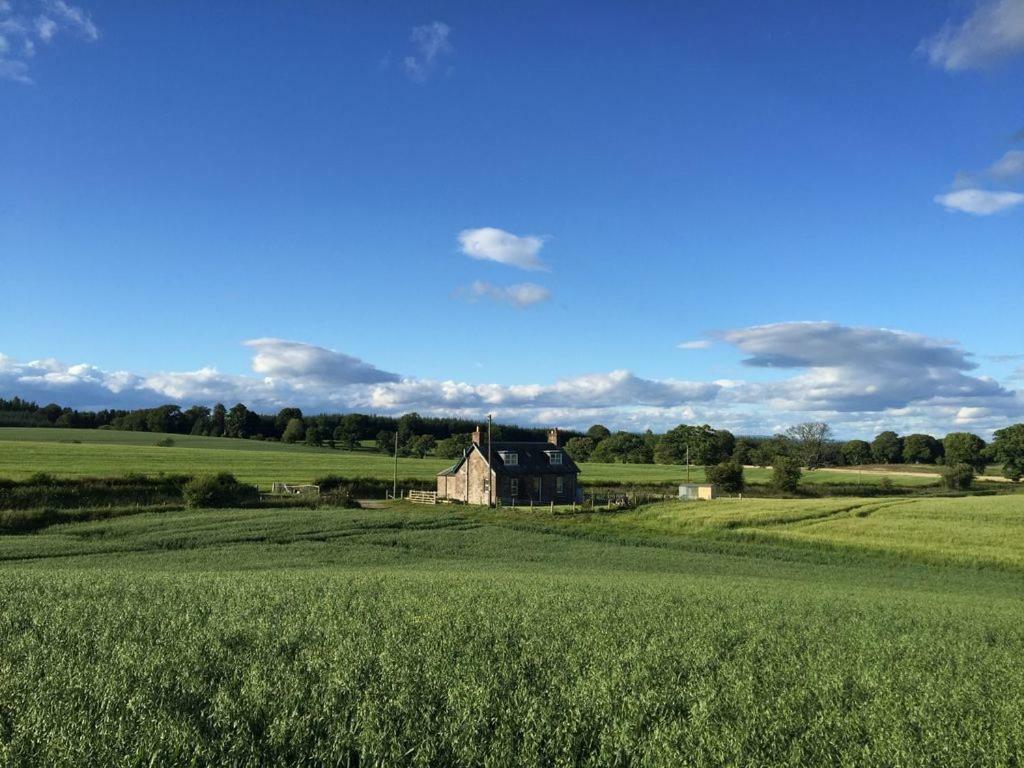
pixel 538 488
pixel 555 458
pixel 511 458
pixel 559 485
pixel 513 486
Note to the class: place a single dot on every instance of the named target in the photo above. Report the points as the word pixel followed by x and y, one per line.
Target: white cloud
pixel 862 380
pixel 520 295
pixel 430 43
pixel 993 32
pixel 698 344
pixel 17 44
pixel 492 244
pixel 979 202
pixel 46 28
pixel 1009 165
pixel 298 361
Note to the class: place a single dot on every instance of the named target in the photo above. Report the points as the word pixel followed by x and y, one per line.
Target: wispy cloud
pixel 697 344
pixel 520 295
pixel 1009 165
pixel 430 44
pixel 492 244
pixel 995 31
pixel 19 33
pixel 979 202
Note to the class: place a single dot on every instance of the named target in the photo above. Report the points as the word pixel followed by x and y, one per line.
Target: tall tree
pixel 856 452
pixel 921 449
pixel 965 448
pixel 810 439
pixel 887 448
pixel 1008 448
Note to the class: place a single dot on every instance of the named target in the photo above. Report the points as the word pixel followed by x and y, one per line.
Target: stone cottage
pixel 518 473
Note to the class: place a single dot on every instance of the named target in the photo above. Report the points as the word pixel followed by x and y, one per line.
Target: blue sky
pixel 366 182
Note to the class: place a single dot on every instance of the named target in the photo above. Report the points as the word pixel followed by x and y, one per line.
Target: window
pixel 536 487
pixel 559 485
pixel 511 458
pixel 513 486
pixel 555 457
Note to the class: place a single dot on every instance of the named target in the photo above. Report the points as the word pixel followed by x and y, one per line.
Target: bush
pixel 786 474
pixel 728 476
pixel 221 490
pixel 958 477
pixel 167 442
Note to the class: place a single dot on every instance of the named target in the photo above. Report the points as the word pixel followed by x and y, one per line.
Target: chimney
pixel 553 436
pixel 476 435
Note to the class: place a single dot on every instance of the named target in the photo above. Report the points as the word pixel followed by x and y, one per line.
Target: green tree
pixel 623 447
pixel 887 448
pixel 856 452
pixel 452 447
pixel 284 418
pixel 921 449
pixel 294 431
pixel 598 432
pixel 580 448
pixel 728 475
pixel 422 445
pixel 314 434
pixel 1008 448
pixel 349 430
pixel 240 422
pixel 701 441
pixel 809 440
pixel 958 477
pixel 386 441
pixel 965 448
pixel 218 420
pixel 786 474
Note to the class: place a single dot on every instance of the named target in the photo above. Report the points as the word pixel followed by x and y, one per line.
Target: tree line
pixel 809 445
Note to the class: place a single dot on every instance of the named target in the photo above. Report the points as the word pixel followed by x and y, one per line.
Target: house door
pixel 537 489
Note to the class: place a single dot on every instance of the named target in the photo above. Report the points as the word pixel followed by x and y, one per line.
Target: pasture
pixel 98 453
pixel 754 632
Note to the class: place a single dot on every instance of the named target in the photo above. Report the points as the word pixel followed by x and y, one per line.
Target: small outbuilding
pixel 697 491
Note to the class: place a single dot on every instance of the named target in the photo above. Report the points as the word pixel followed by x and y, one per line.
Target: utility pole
pixel 687 463
pixel 394 490
pixel 490 469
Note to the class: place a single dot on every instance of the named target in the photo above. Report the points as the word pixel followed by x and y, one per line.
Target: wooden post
pixel 394 488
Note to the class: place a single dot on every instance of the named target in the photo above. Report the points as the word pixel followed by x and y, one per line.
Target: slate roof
pixel 533 460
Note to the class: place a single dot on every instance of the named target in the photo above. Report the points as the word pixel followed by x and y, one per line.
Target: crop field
pixel 754 632
pixel 90 453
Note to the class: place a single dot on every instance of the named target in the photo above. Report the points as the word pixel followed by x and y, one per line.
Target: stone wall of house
pixel 469 484
pixel 544 494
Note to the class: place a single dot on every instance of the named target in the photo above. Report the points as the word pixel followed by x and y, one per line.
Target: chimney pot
pixel 553 436
pixel 476 436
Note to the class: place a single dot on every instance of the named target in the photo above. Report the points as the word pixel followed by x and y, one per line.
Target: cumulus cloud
pixel 19 33
pixel 979 202
pixel 862 380
pixel 520 295
pixel 851 369
pixel 995 31
pixel 430 43
pixel 492 244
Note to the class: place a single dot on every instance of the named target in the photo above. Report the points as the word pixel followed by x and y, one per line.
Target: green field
pixel 84 453
pixel 754 632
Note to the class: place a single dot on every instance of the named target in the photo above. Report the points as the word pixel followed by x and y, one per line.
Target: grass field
pixel 82 453
pixel 755 632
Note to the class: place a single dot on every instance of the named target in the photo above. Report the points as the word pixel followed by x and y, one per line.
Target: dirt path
pixel 891 473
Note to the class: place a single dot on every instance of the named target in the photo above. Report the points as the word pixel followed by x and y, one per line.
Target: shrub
pixel 167 442
pixel 221 490
pixel 728 476
pixel 786 474
pixel 958 477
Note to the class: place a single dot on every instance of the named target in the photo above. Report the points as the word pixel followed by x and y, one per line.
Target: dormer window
pixel 554 457
pixel 511 458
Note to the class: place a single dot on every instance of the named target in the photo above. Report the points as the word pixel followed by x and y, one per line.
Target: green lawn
pixel 755 632
pixel 83 453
